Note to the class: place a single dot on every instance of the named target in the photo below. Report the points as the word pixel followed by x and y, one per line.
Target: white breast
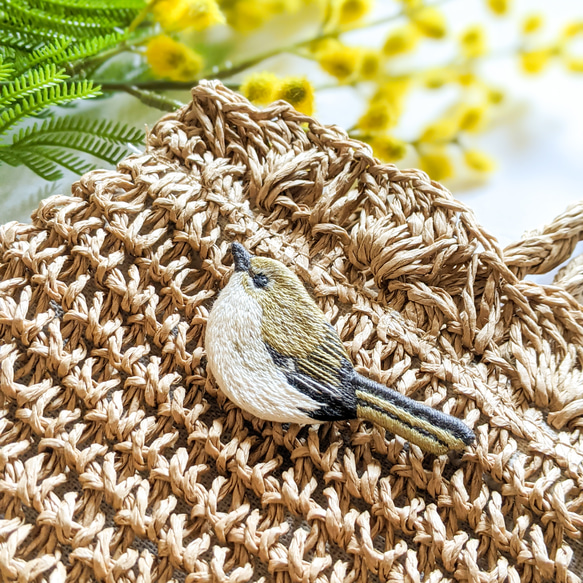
pixel 241 364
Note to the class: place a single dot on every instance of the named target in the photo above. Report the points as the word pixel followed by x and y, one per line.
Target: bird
pixel 275 355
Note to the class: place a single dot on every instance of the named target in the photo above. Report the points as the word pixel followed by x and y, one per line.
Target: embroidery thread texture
pixel 265 306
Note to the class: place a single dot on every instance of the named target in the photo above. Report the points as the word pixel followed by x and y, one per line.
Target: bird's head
pixel 267 280
pixel 291 321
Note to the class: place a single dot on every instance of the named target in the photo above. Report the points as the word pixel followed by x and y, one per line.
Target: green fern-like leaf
pixel 39 164
pixel 30 82
pixel 43 98
pixel 62 158
pixel 44 161
pixel 43 148
pixel 55 52
pixel 111 154
pixel 22 37
pixel 65 51
pixel 6 70
pixel 109 131
pixel 44 114
pixel 88 48
pixel 7 54
pixel 46 48
pixel 16 37
pixel 123 10
pixel 19 13
pixel 103 139
pixel 92 5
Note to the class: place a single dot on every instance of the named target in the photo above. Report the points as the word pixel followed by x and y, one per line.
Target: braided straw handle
pixel 544 249
pixel 570 278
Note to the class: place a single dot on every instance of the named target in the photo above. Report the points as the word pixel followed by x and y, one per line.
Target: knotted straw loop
pixel 542 251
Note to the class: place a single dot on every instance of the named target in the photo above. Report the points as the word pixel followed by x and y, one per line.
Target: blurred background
pixel 484 95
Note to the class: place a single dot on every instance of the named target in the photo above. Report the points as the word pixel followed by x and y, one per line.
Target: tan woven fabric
pixel 120 461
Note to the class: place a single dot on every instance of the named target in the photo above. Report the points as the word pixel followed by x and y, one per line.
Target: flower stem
pixel 141 16
pixel 246 64
pixel 228 71
pixel 152 99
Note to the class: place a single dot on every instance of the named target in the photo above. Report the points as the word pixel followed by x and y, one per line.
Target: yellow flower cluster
pixel 264 87
pixel 260 88
pixel 535 58
pixel 443 130
pixel 535 61
pixel 401 40
pixel 340 61
pixel 437 163
pixel 350 12
pixel 477 160
pixel 388 148
pixel 572 34
pixel 297 91
pixel 532 24
pixel 184 14
pixel 499 7
pixel 381 75
pixel 246 16
pixel 173 60
pixel 370 64
pixel 385 107
pixel 473 42
pixel 346 63
pixel 430 22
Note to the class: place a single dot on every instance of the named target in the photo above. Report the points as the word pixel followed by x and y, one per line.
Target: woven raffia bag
pixel 121 461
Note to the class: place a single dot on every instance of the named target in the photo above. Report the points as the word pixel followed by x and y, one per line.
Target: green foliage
pixel 109 131
pixel 46 162
pixel 28 83
pixel 75 20
pixel 6 69
pixel 42 97
pixel 47 50
pixel 103 139
pixel 51 52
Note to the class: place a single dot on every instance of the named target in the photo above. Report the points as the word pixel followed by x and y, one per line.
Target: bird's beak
pixel 241 257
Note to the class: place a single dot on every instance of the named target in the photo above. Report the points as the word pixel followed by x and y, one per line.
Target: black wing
pixel 324 375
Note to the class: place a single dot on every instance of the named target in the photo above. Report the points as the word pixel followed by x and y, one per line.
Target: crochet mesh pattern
pixel 121 461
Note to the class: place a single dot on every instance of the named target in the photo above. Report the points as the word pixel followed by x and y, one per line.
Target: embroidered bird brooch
pixel 275 355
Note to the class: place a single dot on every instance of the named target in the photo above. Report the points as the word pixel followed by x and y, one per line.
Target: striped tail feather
pixel 431 430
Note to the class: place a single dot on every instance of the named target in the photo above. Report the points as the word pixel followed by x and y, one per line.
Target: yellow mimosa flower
pixel 437 164
pixel 388 148
pixel 340 61
pixel 183 14
pixel 534 62
pixel 260 87
pixel 532 23
pixel 473 42
pixel 174 60
pixel 499 7
pixel 442 130
pixel 378 117
pixel 401 40
pixel 297 91
pixel 471 118
pixel 352 11
pixel 479 161
pixel 430 22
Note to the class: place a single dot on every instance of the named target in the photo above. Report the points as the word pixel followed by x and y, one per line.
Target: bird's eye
pixel 260 280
